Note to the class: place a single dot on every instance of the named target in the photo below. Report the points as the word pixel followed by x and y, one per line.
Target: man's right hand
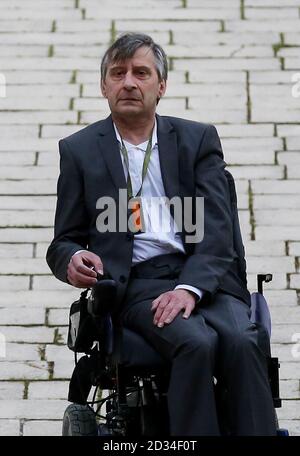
pixel 80 273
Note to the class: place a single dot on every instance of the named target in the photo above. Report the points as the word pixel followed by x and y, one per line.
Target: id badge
pixel 136 221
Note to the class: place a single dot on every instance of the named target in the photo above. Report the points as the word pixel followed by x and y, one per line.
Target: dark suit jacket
pixel 192 164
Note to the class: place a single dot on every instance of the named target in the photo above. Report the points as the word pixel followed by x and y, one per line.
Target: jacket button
pixel 122 279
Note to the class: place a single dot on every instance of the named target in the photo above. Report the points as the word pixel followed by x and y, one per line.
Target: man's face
pixel 132 86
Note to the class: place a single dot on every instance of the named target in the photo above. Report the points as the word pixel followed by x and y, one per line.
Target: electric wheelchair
pixel 121 362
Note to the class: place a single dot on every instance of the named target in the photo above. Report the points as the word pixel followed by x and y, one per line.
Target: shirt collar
pixel 144 144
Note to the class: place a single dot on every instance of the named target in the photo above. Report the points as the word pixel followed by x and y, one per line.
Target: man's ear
pixel 162 88
pixel 103 88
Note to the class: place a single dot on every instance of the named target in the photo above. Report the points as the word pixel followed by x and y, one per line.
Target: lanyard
pixel 145 167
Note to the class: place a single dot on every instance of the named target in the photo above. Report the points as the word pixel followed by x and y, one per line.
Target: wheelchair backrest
pixel 237 237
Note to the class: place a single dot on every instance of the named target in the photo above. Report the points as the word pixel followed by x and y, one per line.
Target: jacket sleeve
pixel 214 254
pixel 71 221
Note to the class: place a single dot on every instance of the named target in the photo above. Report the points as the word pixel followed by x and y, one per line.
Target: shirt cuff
pixel 195 290
pixel 78 251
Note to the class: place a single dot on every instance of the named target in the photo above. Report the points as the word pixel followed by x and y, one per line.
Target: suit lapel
pixel 110 151
pixel 168 156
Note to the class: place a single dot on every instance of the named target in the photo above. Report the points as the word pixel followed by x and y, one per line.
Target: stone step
pixel 246 131
pixel 13 390
pixel 163 14
pixel 294 248
pixel 31 4
pixel 41 91
pixel 237 64
pixel 9 427
pixel 26 218
pixel 40 299
pixel 26 25
pixel 24 316
pixel 261 25
pixel 23 351
pixel 260 171
pixel 281 316
pixel 40 390
pixel 43 428
pixel 290 409
pixel 48 282
pixel 30 409
pixel 16 370
pixel 271 3
pixel 30 172
pixel 264 248
pixel 28 266
pixel 35 13
pixel 40 77
pixel 280 297
pixel 23 51
pixel 33 334
pixel 16 250
pixel 22 158
pixel 271 77
pixel 58 63
pixel 34 202
pixel 14 283
pixel 276 201
pixel 277 232
pixel 182 25
pixel 283 217
pixel 292 38
pixel 37 117
pixel 260 38
pixel 28 187
pixel 271 13
pixel 293 426
pixel 260 264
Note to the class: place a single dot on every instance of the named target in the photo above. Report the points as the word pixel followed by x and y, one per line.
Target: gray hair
pixel 125 47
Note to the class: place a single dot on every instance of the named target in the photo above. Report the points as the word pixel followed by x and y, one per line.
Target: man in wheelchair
pixel 183 302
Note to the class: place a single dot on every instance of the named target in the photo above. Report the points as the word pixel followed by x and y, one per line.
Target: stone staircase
pixel 233 63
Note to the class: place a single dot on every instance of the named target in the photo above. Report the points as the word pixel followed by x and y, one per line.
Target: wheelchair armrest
pixel 260 311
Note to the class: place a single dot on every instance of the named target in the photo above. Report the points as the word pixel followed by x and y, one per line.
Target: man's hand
pixel 80 273
pixel 168 305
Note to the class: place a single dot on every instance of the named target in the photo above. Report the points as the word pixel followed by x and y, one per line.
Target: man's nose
pixel 129 81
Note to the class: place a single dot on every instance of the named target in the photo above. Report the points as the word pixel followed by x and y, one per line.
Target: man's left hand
pixel 168 305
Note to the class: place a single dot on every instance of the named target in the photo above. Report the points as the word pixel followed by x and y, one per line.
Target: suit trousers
pixel 218 339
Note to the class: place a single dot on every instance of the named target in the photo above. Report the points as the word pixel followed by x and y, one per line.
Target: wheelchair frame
pixel 136 404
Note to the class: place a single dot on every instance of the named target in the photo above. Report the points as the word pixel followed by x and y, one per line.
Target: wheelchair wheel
pixel 79 420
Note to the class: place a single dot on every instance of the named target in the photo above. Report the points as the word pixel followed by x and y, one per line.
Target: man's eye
pixel 142 73
pixel 117 73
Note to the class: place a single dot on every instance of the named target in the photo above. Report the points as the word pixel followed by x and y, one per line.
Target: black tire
pixel 79 420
